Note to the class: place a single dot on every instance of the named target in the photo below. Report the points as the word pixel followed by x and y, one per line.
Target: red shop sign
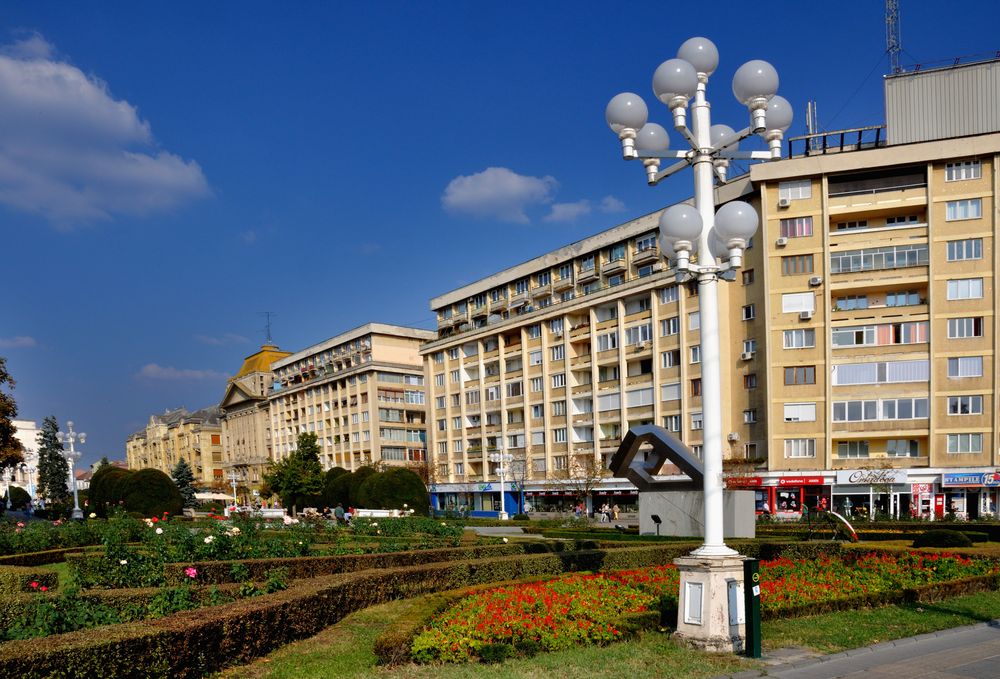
pixel 800 481
pixel 744 482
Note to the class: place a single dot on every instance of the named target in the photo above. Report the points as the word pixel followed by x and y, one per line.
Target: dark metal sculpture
pixel 665 448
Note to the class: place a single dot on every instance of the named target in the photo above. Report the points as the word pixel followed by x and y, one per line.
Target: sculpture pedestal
pixel 710 613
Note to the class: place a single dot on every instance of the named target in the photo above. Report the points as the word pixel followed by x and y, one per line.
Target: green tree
pixel 394 488
pixel 105 487
pixel 331 493
pixel 53 469
pixel 150 492
pixel 184 478
pixel 104 462
pixel 297 478
pixel 11 450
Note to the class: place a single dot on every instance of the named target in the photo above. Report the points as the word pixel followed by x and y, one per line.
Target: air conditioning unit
pixel 639 346
pixel 781 242
pixel 784 202
pixel 733 436
pixel 816 280
pixel 659 266
pixel 805 315
pixel 746 355
pixel 557 335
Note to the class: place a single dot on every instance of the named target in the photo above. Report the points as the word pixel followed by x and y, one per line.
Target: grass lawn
pixel 61 570
pixel 344 650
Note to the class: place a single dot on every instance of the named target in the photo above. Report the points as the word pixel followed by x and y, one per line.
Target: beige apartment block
pixel 246 421
pixel 362 393
pixel 180 435
pixel 553 360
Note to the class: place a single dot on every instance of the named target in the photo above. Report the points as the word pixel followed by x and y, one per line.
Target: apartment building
pixel 180 435
pixel 858 339
pixel 25 475
pixel 551 361
pixel 246 421
pixel 362 393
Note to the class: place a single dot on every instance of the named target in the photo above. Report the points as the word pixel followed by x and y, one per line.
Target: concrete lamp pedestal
pixel 710 611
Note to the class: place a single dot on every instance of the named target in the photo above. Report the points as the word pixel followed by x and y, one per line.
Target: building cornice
pixel 367 329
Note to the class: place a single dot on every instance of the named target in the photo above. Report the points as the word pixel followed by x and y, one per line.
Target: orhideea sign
pixel 871 477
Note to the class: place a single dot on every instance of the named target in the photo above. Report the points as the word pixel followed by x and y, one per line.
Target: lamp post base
pixel 710 611
pixel 77 513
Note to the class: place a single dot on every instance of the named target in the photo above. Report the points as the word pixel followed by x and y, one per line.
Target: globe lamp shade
pixel 652 137
pixel 626 111
pixel 753 80
pixel 723 136
pixel 674 78
pixel 736 220
pixel 681 222
pixel 700 53
pixel 779 114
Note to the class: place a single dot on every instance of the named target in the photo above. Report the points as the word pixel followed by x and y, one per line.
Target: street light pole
pixel 233 479
pixel 72 456
pixel 501 458
pixel 705 245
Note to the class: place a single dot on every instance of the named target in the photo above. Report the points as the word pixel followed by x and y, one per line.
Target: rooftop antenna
pixel 267 324
pixel 812 124
pixel 893 45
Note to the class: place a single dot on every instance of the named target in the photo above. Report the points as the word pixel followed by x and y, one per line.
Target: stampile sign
pixel 871 477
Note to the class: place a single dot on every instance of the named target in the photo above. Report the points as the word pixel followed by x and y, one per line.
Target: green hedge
pixel 194 643
pixel 17 579
pixel 39 558
pixel 91 570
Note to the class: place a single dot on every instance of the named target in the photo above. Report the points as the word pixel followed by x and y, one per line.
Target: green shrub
pixel 18 498
pixel 394 488
pixel 151 492
pixel 15 579
pixel 332 495
pixel 354 481
pixel 47 615
pixel 942 538
pixel 104 487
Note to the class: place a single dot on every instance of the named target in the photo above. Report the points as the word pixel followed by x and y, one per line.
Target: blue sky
pixel 169 170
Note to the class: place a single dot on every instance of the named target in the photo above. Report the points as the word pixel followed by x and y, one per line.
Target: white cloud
pixel 611 204
pixel 18 342
pixel 497 193
pixel 226 339
pixel 248 237
pixel 71 152
pixel 152 371
pixel 568 212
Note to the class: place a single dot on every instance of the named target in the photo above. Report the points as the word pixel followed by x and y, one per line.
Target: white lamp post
pixel 502 459
pixel 72 455
pixel 233 479
pixel 706 245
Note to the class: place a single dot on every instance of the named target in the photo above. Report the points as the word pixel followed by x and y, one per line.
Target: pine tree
pixel 11 450
pixel 183 477
pixel 298 477
pixel 103 462
pixel 53 469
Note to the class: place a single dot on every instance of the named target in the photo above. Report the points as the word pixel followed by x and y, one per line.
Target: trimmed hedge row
pixel 194 643
pixel 17 579
pixel 39 558
pixel 90 569
pixel 990 529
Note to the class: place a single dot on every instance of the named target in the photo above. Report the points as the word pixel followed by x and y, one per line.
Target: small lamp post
pixel 502 459
pixel 72 455
pixel 706 245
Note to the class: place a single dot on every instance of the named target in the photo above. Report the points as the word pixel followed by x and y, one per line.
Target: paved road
pixel 962 653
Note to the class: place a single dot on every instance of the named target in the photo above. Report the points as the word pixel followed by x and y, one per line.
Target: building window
pixel 749 346
pixel 796 302
pixel 558 353
pixel 800 412
pixel 852 225
pixel 795 448
pixel 544 279
pixel 638 333
pixel 456 400
pixel 965 288
pixel 965 443
pixel 696 386
pixel 696 353
pixel 796 264
pixel 558 408
pixel 559 435
pixel 671 392
pixel 901 298
pixel 965 366
pixel 750 381
pixel 799 339
pixel 537 412
pixel 749 312
pixel 456 376
pixel 442 425
pixel 963 170
pixel 965 405
pixel 617 279
pixel 459 469
pixel 803 374
pixel 670 326
pixel 749 416
pixel 956 210
pixel 535 357
pixel 537 384
pixel 558 380
pixel 493 393
pixel 668 294
pixel 697 421
pixel 514 389
pixel 796 227
pixel 969 248
pixel 616 253
pixel 846 449
pixel 961 328
pixel 534 331
pixel 795 190
pixel 672 422
pixel 902 448
pixel 747 276
pixel 885 372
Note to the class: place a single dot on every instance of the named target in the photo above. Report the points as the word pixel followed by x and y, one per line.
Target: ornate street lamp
pixel 72 455
pixel 704 244
pixel 502 459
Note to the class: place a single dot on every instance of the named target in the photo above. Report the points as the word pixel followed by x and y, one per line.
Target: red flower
pixel 155 519
pixel 34 585
pixel 44 588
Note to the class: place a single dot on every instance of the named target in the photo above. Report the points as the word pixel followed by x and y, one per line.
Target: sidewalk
pixel 961 653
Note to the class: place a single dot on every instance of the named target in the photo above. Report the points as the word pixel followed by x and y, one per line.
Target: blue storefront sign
pixel 980 479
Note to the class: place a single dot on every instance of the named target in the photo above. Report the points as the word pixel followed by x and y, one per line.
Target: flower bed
pixel 587 608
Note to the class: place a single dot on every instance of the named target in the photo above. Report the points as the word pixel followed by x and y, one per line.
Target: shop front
pixel 793 493
pixel 871 493
pixel 970 495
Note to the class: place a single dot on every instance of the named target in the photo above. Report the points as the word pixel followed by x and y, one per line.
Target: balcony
pixel 561 284
pixel 646 256
pixel 541 291
pixel 886 196
pixel 587 275
pixel 904 428
pixel 613 267
pixel 519 299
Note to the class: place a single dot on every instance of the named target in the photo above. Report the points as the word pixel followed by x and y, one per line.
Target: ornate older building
pixel 246 426
pixel 178 434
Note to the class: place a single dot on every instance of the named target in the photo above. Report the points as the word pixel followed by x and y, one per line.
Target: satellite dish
pixel 494 318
